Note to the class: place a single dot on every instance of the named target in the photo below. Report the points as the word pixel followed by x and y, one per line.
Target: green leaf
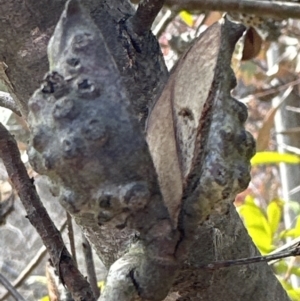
pixel 285 284
pixel 187 18
pixel 287 233
pixel 293 293
pixel 293 205
pixel 295 271
pixel 274 213
pixel 297 227
pixel 280 267
pixel 257 225
pixel 101 285
pixel 294 232
pixel 248 71
pixel 274 158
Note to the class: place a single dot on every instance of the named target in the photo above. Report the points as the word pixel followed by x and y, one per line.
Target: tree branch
pixel 146 13
pixel 90 267
pixel 35 261
pixel 120 187
pixel 6 207
pixel 10 288
pixel 6 101
pixel 291 248
pixel 164 22
pixel 142 69
pixel 39 218
pixel 256 259
pixel 272 9
pixel 71 236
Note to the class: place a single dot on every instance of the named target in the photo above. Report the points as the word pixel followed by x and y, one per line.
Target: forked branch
pixel 145 15
pixel 39 218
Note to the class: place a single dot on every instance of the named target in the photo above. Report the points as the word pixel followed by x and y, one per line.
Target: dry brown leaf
pixel 163 149
pixel 213 17
pixel 252 44
pixel 173 128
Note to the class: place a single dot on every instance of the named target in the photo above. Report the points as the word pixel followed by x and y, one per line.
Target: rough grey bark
pixel 140 64
pixel 223 236
pixel 82 123
pixel 26 28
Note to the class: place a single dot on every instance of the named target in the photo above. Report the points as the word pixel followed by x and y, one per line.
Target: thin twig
pixel 271 9
pixel 287 246
pixel 11 288
pixel 34 262
pixel 6 101
pixel 90 266
pixel 71 237
pixel 39 218
pixel 203 18
pixel 256 259
pixel 292 149
pixel 145 14
pixel 291 250
pixel 271 90
pixel 292 109
pixel 290 131
pixel 167 18
pixel 6 207
pixel 27 271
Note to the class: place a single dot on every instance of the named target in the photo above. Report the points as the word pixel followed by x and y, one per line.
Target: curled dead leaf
pixel 252 44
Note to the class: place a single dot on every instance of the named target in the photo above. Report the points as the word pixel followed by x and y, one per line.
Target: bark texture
pixel 27 26
pixel 137 58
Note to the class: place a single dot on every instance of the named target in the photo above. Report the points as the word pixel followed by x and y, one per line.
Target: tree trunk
pixel 26 29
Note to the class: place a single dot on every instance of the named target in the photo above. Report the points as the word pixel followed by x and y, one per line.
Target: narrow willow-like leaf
pixel 274 214
pixel 257 225
pixel 274 158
